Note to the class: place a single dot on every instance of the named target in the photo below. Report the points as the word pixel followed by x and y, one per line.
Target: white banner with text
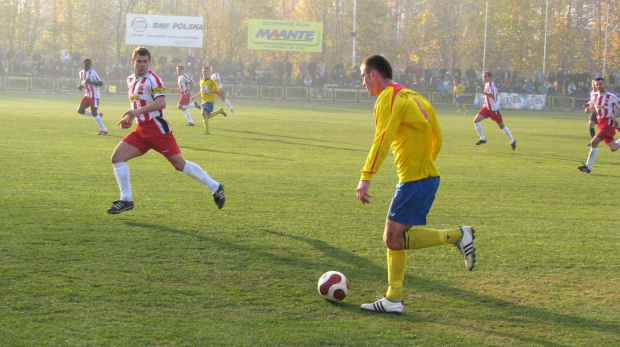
pixel 170 31
pixel 514 101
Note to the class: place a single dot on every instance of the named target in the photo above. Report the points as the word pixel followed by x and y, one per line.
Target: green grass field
pixel 176 271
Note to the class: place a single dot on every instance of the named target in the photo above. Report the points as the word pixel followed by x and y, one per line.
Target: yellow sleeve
pixel 387 123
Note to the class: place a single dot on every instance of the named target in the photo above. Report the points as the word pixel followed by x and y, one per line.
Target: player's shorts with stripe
pixel 184 100
pixel 458 100
pixel 208 106
pixel 413 200
pixel 148 136
pixel 92 102
pixel 494 115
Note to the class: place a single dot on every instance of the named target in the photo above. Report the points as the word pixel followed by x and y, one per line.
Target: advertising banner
pixel 170 31
pixel 514 101
pixel 276 35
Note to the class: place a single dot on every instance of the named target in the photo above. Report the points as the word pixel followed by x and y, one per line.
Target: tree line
pixel 443 34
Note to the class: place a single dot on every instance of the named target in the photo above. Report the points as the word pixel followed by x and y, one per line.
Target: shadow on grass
pixel 506 310
pixel 234 153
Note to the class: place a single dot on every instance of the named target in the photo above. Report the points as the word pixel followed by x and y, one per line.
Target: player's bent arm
pixel 95 83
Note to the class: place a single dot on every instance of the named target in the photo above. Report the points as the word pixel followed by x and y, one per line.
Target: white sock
pixel 507 132
pixel 479 131
pixel 87 113
pixel 185 107
pixel 121 171
pixel 188 116
pixel 228 103
pixel 591 157
pixel 100 122
pixel 196 172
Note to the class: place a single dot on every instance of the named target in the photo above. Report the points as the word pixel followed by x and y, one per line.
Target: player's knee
pixel 179 106
pixel 80 110
pixel 393 243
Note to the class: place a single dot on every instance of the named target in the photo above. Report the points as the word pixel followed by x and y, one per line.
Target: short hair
pixel 180 66
pixel 87 60
pixel 141 51
pixel 600 79
pixel 378 63
pixel 488 73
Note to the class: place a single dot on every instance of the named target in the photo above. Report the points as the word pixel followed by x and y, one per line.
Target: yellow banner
pixel 275 35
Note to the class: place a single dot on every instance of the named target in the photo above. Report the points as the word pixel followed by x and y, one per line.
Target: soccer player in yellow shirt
pixel 406 123
pixel 458 90
pixel 208 92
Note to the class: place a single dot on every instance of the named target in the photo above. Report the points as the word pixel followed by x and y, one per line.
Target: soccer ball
pixel 333 286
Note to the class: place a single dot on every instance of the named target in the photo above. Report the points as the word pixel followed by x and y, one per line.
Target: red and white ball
pixel 333 286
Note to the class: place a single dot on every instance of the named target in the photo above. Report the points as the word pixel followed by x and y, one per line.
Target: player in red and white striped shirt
pixel 90 83
pixel 185 101
pixel 222 94
pixel 147 97
pixel 607 106
pixel 490 110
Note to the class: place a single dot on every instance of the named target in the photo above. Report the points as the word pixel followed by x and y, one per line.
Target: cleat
pixel 196 105
pixel 514 145
pixel 589 144
pixel 466 112
pixel 385 306
pixel 232 110
pixel 219 197
pixel 119 206
pixel 101 114
pixel 221 110
pixel 102 132
pixel 584 168
pixel 466 247
pixel 458 111
pixel 480 142
pixel 189 124
pixel 206 132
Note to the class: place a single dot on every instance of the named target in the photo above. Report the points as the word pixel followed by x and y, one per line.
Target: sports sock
pixel 121 171
pixel 464 107
pixel 205 122
pixel 228 103
pixel 592 132
pixel 396 264
pixel 185 107
pixel 508 134
pixel 100 122
pixel 196 172
pixel 421 237
pixel 188 116
pixel 591 157
pixel 87 113
pixel 479 131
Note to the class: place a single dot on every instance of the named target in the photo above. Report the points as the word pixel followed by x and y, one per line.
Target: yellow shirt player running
pixel 406 123
pixel 458 90
pixel 208 92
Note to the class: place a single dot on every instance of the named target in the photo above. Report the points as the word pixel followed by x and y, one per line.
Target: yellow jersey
pixel 205 87
pixel 406 121
pixel 458 90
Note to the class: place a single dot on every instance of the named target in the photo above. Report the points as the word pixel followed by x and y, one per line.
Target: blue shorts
pixel 412 201
pixel 208 106
pixel 458 100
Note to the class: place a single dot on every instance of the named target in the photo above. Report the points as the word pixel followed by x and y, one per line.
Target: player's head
pixel 87 64
pixel 180 69
pixel 141 59
pixel 599 84
pixel 213 69
pixel 374 70
pixel 206 73
pixel 455 81
pixel 486 76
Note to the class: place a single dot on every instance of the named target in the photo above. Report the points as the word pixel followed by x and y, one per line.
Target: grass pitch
pixel 176 271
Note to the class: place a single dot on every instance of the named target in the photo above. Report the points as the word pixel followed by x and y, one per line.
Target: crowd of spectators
pixel 308 74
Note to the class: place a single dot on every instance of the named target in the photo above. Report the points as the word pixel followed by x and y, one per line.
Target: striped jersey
pixel 216 77
pixel 144 90
pixel 184 82
pixel 90 90
pixel 406 123
pixel 606 104
pixel 491 102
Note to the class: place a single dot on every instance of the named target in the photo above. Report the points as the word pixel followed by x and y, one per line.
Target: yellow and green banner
pixel 276 35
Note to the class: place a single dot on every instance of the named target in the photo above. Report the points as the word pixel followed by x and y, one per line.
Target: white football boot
pixel 466 247
pixel 384 305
